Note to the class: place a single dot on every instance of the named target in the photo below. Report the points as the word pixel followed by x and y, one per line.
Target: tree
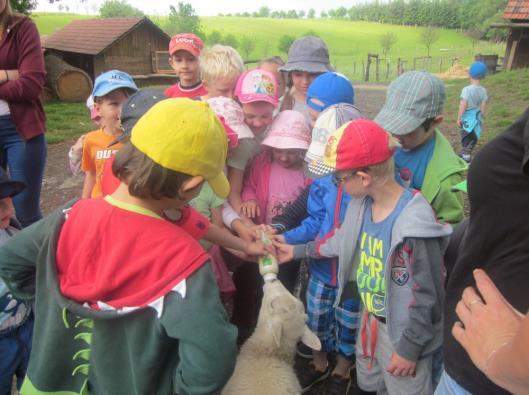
pixel 301 14
pixel 387 40
pixel 183 19
pixel 285 41
pixel 264 12
pixel 230 40
pixel 214 37
pixel 118 8
pixel 247 46
pixel 323 14
pixel 428 36
pixel 23 6
pixel 311 14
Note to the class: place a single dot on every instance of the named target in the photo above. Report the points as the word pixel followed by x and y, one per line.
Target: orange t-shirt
pixel 95 154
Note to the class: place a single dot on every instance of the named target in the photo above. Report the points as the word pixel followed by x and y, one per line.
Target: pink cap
pixel 233 139
pixel 186 41
pixel 257 85
pixel 231 113
pixel 288 131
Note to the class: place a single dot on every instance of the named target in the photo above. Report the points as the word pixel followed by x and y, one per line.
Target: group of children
pixel 222 155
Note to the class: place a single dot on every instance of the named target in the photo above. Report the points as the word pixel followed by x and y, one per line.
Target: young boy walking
pixel 472 110
pixel 425 161
pixel 139 313
pixel 390 248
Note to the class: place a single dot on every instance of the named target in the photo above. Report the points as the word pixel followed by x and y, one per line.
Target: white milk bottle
pixel 268 266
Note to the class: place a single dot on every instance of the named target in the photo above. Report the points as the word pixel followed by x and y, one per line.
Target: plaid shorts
pixel 335 327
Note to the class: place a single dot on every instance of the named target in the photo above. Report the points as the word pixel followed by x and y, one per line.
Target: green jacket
pixel 444 171
pixel 190 349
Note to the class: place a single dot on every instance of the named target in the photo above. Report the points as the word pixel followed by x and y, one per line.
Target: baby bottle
pixel 268 266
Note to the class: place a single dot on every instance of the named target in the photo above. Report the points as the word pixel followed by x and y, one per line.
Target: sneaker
pixel 337 385
pixel 304 351
pixel 466 157
pixel 309 376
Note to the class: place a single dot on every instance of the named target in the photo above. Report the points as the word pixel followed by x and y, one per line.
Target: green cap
pixel 462 186
pixel 411 99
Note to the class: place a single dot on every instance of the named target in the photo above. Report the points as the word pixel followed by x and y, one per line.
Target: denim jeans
pixel 448 386
pixel 25 161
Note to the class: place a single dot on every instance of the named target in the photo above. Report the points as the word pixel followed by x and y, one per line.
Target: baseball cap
pixel 257 85
pixel 288 131
pixel 358 143
pixel 8 187
pixel 186 41
pixel 112 80
pixel 330 88
pixel 186 136
pixel 134 108
pixel 91 108
pixel 308 54
pixel 477 70
pixel 328 121
pixel 412 98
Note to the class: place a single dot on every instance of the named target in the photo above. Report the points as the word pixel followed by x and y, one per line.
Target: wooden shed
pixel 517 50
pixel 98 45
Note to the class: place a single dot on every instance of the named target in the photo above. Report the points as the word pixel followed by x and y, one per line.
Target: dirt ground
pixel 60 185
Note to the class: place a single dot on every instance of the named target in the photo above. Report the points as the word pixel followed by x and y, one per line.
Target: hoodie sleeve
pixel 309 228
pixel 207 340
pixel 425 260
pixel 449 205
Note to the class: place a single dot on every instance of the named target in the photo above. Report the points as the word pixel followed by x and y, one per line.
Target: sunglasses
pixel 341 180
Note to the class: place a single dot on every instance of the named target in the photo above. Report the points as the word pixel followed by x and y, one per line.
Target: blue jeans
pixel 15 348
pixel 25 161
pixel 448 386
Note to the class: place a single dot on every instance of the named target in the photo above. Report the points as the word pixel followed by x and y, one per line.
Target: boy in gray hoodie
pixel 391 246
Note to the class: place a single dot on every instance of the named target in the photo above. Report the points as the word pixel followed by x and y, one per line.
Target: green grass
pixel 48 22
pixel 508 99
pixel 66 120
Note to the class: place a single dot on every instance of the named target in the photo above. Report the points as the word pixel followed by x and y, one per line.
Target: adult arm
pixel 207 340
pixel 30 66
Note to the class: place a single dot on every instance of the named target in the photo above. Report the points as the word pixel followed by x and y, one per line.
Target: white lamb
pixel 265 364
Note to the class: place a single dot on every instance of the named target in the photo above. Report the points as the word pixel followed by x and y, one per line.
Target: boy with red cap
pixel 390 248
pixel 184 50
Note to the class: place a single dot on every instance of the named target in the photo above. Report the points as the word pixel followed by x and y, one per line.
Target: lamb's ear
pixel 310 339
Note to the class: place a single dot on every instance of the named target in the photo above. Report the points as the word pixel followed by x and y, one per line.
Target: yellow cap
pixel 186 136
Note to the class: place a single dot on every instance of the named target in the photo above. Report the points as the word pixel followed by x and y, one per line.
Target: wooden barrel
pixel 69 83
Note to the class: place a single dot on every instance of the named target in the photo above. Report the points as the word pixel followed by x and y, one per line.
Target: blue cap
pixel 330 88
pixel 477 70
pixel 110 81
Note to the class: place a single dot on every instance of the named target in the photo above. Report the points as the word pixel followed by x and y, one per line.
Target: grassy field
pixel 349 42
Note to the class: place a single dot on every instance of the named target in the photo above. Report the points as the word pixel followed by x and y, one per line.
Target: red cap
pixel 359 143
pixel 186 41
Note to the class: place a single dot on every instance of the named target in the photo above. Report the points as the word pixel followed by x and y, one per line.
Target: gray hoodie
pixel 414 272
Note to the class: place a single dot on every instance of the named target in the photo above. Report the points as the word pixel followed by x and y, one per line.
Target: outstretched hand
pixel 486 324
pixel 285 252
pixel 250 209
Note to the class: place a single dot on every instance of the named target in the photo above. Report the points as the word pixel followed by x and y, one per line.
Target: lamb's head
pixel 283 317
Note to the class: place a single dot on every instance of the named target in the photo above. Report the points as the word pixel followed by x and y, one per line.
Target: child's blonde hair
pixel 220 61
pixel 385 170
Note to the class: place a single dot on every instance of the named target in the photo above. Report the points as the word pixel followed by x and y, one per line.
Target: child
pixel 184 50
pixel 308 57
pixel 390 247
pixel 272 65
pixel 220 67
pixel 111 90
pixel 328 89
pixel 257 92
pixel 149 286
pixel 75 154
pixel 472 110
pixel 16 319
pixel 425 160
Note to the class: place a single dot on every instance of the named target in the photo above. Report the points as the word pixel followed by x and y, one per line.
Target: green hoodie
pixel 444 170
pixel 189 349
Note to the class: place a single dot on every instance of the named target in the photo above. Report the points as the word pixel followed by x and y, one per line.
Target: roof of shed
pixel 92 36
pixel 517 9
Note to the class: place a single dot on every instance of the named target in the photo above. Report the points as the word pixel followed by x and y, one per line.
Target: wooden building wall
pixel 133 52
pixel 517 51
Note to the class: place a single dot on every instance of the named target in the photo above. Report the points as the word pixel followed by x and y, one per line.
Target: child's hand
pixel 250 208
pixel 459 123
pixel 278 238
pixel 78 146
pixel 285 252
pixel 269 230
pixel 255 249
pixel 399 366
pixel 246 233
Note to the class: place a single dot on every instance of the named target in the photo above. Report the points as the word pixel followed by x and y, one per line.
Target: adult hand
pixel 486 324
pixel 399 366
pixel 250 209
pixel 285 252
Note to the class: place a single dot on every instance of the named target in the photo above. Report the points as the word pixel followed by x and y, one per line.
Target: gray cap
pixel 411 99
pixel 134 108
pixel 308 54
pixel 327 123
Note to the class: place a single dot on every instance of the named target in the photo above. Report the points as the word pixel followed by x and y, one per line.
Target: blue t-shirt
pixel 372 252
pixel 410 165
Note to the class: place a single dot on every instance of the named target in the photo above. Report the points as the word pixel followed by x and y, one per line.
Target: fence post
pixel 414 63
pixel 441 65
pixel 364 71
pixel 378 68
pixel 387 70
pixel 354 67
